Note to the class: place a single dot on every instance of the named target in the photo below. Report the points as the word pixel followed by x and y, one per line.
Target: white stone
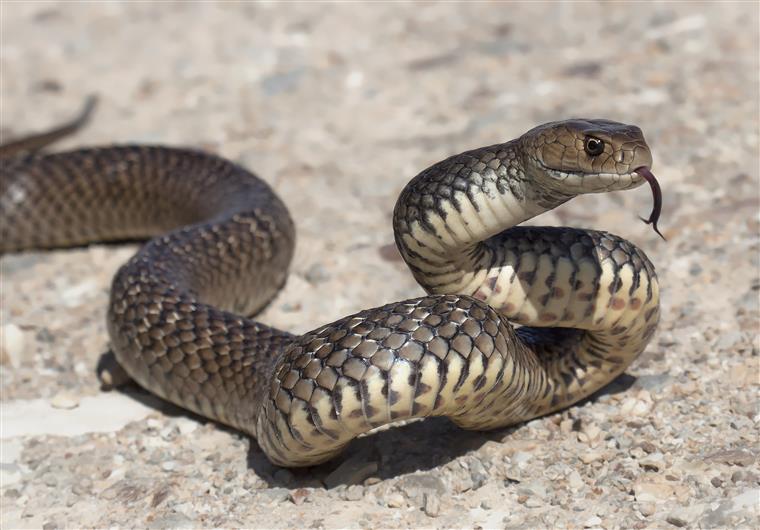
pixel 12 344
pixel 395 500
pixel 592 521
pixel 432 506
pixel 590 456
pixel 76 294
pixel 652 492
pixel 355 79
pixel 686 514
pixel 575 480
pixel 65 401
pixel 521 457
pixel 186 426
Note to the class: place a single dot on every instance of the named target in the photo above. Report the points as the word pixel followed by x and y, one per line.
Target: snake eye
pixel 593 146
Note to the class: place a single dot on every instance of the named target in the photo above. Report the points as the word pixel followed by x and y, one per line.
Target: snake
pixel 517 322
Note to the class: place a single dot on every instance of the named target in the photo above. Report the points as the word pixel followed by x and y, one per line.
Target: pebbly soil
pixel 337 106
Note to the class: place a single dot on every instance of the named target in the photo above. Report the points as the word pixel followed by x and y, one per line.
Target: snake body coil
pixel 587 301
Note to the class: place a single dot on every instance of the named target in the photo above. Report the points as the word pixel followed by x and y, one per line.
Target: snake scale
pixel 586 303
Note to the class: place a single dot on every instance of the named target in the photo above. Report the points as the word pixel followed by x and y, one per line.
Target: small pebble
pixel 574 480
pixel 652 462
pixel 416 486
pixel 275 494
pixel 512 476
pixel 566 426
pixel 354 493
pixel 592 521
pixel 737 457
pixel 64 400
pixel 648 446
pixel 288 307
pixel 395 500
pixel 685 515
pixel 588 457
pixel 676 521
pixel 652 491
pixel 299 496
pixel 591 434
pixel 533 489
pixel 316 274
pixel 76 294
pixel 12 343
pixel 744 475
pixel 478 474
pixel 533 502
pixel 521 457
pixel 186 426
pixel 12 493
pixel 431 506
pixel 169 433
pixel 634 407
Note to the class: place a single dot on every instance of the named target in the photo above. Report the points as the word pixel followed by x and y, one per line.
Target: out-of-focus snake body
pixel 587 301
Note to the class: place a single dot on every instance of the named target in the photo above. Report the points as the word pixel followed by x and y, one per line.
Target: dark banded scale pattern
pixel 587 301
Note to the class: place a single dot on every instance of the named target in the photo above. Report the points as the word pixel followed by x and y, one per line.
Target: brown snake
pixel 587 302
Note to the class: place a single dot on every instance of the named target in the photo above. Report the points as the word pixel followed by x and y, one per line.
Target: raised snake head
pixel 586 156
pixel 578 156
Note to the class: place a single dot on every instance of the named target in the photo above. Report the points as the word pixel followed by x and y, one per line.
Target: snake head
pixel 576 156
pixel 586 156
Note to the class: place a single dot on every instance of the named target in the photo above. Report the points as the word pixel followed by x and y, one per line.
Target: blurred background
pixel 338 106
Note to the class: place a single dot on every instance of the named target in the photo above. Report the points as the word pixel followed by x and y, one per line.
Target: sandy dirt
pixel 338 106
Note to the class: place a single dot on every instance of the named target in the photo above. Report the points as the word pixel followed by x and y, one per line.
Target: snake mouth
pixel 603 182
pixel 647 175
pixel 593 182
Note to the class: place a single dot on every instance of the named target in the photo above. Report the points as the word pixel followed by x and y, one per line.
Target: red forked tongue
pixel 656 195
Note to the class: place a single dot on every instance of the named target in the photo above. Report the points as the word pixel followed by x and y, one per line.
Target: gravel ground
pixel 337 106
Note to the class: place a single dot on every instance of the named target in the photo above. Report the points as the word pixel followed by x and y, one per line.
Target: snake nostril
pixel 624 156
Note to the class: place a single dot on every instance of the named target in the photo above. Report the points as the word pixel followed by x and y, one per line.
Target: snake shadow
pixel 418 445
pixel 394 450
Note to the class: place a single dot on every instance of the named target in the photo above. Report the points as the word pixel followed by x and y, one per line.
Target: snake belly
pixel 586 302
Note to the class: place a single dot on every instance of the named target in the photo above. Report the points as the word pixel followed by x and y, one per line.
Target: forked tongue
pixel 656 195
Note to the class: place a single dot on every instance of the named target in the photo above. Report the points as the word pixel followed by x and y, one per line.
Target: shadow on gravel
pixel 620 384
pixel 419 445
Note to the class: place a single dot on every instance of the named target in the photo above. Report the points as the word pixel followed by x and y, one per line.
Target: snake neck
pixel 449 217
pixel 455 225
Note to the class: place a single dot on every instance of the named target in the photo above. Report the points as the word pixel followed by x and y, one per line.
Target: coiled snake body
pixel 587 301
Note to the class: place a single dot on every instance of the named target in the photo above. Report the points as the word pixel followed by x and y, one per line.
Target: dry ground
pixel 337 106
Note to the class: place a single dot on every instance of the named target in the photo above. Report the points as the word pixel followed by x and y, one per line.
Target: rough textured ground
pixel 338 106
